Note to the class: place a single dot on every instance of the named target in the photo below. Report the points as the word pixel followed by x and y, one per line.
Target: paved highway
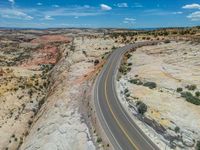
pixel 120 129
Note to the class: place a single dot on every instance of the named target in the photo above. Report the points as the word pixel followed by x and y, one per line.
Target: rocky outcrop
pixel 59 124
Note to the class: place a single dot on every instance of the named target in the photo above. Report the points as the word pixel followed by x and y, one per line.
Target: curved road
pixel 121 130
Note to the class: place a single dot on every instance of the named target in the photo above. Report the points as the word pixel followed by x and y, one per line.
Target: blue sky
pixel 99 13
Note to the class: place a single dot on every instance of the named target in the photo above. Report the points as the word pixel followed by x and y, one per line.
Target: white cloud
pixel 31 13
pixel 129 21
pixel 39 4
pixel 56 6
pixel 12 1
pixel 86 6
pixel 160 12
pixel 125 21
pixel 14 14
pixel 48 18
pixel 122 5
pixel 177 13
pixel 105 7
pixel 137 5
pixel 195 16
pixel 192 6
pixel 78 11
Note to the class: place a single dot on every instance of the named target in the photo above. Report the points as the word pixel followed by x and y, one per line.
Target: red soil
pixel 48 53
pixel 51 38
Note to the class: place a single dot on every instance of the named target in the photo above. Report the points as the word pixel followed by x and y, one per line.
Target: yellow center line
pixel 121 127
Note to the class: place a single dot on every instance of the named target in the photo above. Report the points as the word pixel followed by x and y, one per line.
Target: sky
pixel 99 13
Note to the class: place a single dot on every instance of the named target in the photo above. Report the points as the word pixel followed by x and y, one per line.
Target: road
pixel 120 129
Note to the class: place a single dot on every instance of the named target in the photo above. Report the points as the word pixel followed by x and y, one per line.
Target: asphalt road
pixel 120 129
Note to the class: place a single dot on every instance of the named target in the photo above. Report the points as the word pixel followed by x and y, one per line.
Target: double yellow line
pixel 114 116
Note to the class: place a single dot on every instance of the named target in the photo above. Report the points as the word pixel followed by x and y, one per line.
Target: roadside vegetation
pixel 190 98
pixel 141 107
pixel 160 34
pixel 125 67
pixel 151 85
pixel 192 95
pixel 189 94
pixel 198 145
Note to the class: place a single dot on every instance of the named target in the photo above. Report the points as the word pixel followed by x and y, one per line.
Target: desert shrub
pixel 15 89
pixel 150 85
pixel 22 86
pixel 30 92
pixel 136 75
pixel 45 84
pixel 129 64
pixel 126 91
pixel 30 123
pixel 41 102
pixel 136 81
pixel 190 98
pixel 128 55
pixel 148 38
pixel 179 89
pixel 167 41
pixel 198 145
pixel 197 94
pixel 72 48
pixel 13 136
pixel 122 69
pixel 113 47
pixel 36 82
pixel 127 94
pixel 141 107
pixel 191 87
pixel 96 62
pixel 177 129
pixel 99 140
pixel 128 69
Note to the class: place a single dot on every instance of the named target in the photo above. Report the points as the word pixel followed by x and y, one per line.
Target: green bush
pixel 96 62
pixel 177 129
pixel 198 145
pixel 190 98
pixel 191 87
pixel 136 81
pixel 99 140
pixel 197 94
pixel 113 47
pixel 41 102
pixel 150 85
pixel 129 55
pixel 127 94
pixel 123 69
pixel 126 91
pixel 167 41
pixel 179 89
pixel 129 64
pixel 141 107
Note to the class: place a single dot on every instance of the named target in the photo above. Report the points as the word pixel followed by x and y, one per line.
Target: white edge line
pixel 101 113
pixel 122 53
